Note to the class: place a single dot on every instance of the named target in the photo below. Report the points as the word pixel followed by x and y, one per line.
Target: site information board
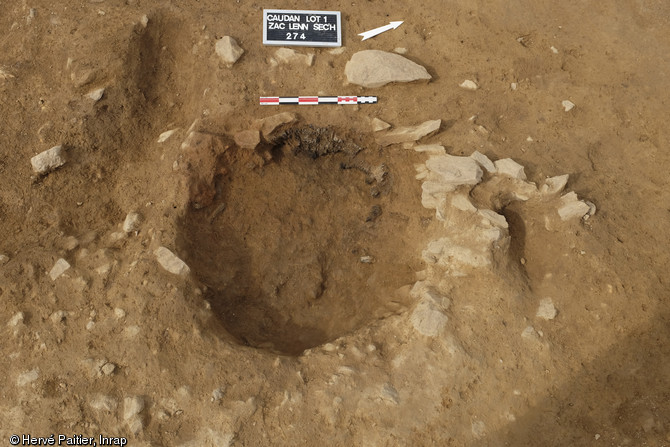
pixel 304 28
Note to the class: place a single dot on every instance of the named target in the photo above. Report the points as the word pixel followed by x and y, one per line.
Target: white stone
pixel 468 85
pixel 455 170
pixel 170 262
pixel 132 406
pixel 410 133
pixel 478 429
pixel 427 319
pixel 16 319
pixel 144 20
pixel 554 185
pixel 4 259
pixel 463 203
pixel 247 139
pixel 493 218
pixel 96 95
pixel 546 310
pixel 58 269
pixel 337 51
pixel 367 259
pixel 108 368
pixel 48 160
pixel 484 161
pixel 507 166
pixel 132 222
pixel 513 86
pixel 375 68
pixel 58 316
pixel 271 123
pixel 529 333
pixel 567 105
pixel 434 188
pixel 228 50
pixel 400 50
pixel 131 331
pixel 101 402
pixel 119 313
pixel 572 207
pixel 378 125
pixel 165 135
pixel 289 56
pixel 432 149
pixel 217 394
pixel 389 394
pixel 27 377
pixel 554 49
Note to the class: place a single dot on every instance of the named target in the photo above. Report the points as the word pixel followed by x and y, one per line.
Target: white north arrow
pixel 381 29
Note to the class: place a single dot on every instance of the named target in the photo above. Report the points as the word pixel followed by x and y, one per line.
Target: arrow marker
pixel 381 29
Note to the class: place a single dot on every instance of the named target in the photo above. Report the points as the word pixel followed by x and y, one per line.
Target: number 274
pixel 295 36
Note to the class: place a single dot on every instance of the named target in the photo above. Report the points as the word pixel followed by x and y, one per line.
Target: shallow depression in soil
pixel 305 247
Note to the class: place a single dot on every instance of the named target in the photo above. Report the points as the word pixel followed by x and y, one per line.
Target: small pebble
pixel 58 316
pixel 108 368
pixel 468 85
pixel 367 259
pixel 96 94
pixel 567 105
pixel 16 319
pixel 546 310
pixel 58 269
pixel 119 313
pixel 4 259
pixel 132 222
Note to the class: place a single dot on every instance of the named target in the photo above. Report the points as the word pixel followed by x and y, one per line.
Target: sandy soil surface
pixel 295 324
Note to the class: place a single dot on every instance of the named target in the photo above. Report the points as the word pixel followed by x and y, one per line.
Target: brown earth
pixel 274 248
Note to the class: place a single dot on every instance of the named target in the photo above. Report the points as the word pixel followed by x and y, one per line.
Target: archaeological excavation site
pixel 334 224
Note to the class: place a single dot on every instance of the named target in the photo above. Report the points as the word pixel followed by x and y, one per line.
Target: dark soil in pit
pixel 308 246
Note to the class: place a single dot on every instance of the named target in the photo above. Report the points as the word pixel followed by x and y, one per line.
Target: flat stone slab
pixel 456 170
pixel 408 134
pixel 48 160
pixel 375 68
pixel 171 262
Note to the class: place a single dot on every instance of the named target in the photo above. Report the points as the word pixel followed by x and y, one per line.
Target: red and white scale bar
pixel 314 100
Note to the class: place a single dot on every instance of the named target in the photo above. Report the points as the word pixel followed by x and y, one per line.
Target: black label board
pixel 303 28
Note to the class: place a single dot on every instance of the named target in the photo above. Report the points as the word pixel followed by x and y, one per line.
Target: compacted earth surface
pixel 192 269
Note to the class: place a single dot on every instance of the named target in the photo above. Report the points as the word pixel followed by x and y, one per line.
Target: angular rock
pixel 468 85
pixel 289 56
pixel 375 68
pixel 16 319
pixel 27 377
pixel 554 185
pixel 96 95
pixel 456 170
pixel 228 50
pixel 410 133
pixel 4 259
pixel 101 402
pixel 484 161
pixel 165 135
pixel 132 406
pixel 247 139
pixel 546 310
pixel 509 167
pixel 108 368
pixel 427 319
pixel 567 105
pixel 493 218
pixel 132 222
pixel 432 149
pixel 170 262
pixel 463 203
pixel 48 160
pixel 378 125
pixel 271 123
pixel 58 269
pixel 572 207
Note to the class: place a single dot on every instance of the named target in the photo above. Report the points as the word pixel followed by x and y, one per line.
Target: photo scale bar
pixel 315 100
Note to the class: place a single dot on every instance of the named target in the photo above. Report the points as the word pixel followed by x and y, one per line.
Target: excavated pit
pixel 305 239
